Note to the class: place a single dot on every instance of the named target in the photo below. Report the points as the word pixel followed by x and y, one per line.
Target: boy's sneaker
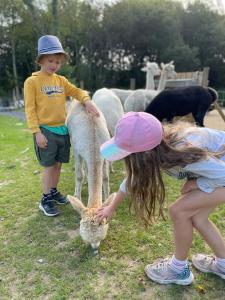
pixel 48 207
pixel 207 264
pixel 59 198
pixel 161 272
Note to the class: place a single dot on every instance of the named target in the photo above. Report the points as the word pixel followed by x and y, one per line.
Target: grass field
pixel 44 258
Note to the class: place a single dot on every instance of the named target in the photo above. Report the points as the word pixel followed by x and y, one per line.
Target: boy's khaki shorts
pixel 58 149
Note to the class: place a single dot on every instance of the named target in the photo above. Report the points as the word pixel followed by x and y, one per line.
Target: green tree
pixel 108 44
pixel 204 30
pixel 145 28
pixel 11 19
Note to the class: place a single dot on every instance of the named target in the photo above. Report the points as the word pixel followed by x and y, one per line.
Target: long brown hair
pixel 145 184
pixel 144 170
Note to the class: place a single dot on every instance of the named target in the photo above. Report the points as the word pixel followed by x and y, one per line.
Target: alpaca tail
pixel 213 94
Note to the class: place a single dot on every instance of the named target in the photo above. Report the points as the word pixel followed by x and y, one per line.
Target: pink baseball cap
pixel 134 132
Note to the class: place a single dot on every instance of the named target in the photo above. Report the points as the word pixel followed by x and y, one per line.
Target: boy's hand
pixel 91 109
pixel 189 185
pixel 105 212
pixel 41 140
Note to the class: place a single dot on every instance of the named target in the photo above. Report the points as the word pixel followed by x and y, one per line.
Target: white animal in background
pixel 141 98
pixel 87 134
pixel 122 94
pixel 110 106
pixel 168 71
pixel 152 69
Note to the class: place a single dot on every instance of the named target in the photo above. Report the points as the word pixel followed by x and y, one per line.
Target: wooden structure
pixel 188 79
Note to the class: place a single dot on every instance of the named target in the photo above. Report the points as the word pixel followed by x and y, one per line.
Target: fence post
pixel 205 76
pixel 132 83
pixel 82 84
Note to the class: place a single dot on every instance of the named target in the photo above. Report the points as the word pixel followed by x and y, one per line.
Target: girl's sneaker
pixel 161 272
pixel 207 264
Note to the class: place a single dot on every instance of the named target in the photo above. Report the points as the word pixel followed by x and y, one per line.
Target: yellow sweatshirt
pixel 45 99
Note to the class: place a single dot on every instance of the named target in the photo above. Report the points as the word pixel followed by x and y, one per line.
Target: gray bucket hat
pixel 50 44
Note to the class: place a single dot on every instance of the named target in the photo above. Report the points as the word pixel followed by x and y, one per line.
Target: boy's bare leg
pixel 56 174
pixel 50 177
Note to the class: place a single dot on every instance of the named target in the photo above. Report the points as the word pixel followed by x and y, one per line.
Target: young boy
pixel 45 95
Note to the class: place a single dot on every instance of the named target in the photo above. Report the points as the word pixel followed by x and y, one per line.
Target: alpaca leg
pixel 105 179
pixel 111 170
pixel 85 172
pixel 199 117
pixel 79 176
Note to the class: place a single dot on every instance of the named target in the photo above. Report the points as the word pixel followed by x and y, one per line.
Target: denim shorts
pixel 58 149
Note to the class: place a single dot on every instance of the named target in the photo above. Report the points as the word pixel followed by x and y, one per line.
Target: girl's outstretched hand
pixel 105 212
pixel 189 186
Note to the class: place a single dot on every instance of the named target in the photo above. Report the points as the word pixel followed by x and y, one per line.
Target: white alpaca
pixel 140 99
pixel 110 106
pixel 168 71
pixel 122 94
pixel 87 134
pixel 112 109
pixel 152 69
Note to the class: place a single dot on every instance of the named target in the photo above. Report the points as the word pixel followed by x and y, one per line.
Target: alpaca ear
pixel 77 204
pixel 171 63
pixel 162 65
pixel 109 199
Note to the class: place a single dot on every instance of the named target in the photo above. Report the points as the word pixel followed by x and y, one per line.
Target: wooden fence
pixel 188 79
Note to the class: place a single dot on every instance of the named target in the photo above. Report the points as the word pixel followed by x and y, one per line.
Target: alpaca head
pixel 169 69
pixel 152 67
pixel 91 230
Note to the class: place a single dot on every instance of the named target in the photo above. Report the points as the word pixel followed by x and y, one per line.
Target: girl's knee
pixel 176 212
pixel 173 211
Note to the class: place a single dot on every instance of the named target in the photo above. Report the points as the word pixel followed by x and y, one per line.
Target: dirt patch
pixel 73 233
pixel 214 120
pixel 5 183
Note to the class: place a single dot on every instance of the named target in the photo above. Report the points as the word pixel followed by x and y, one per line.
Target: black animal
pixel 180 102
